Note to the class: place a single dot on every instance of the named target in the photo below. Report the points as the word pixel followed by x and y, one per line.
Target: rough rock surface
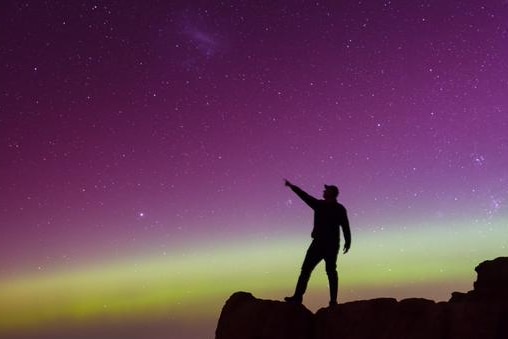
pixel 246 317
pixel 480 313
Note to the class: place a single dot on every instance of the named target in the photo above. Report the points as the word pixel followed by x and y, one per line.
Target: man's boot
pixel 301 286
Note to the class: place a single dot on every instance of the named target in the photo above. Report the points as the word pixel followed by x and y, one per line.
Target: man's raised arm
pixel 307 198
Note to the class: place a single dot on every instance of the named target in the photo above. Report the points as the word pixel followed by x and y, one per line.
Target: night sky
pixel 144 146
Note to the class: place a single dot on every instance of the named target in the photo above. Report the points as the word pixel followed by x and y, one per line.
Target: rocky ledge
pixel 478 314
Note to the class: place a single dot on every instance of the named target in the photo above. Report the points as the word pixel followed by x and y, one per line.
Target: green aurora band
pixel 394 262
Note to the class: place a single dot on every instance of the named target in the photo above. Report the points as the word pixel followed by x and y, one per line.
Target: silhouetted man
pixel 329 216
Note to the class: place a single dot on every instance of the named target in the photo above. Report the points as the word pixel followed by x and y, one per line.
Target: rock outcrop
pixel 478 314
pixel 246 317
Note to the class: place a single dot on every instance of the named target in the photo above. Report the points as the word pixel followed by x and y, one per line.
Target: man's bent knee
pixel 306 270
pixel 331 272
pixel 331 269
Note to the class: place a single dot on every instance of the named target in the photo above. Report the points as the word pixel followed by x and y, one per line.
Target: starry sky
pixel 144 145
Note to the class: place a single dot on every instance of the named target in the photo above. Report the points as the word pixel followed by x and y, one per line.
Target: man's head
pixel 331 192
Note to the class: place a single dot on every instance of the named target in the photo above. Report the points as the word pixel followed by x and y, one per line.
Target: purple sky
pixel 132 125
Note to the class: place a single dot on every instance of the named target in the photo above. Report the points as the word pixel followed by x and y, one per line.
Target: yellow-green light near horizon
pixel 176 284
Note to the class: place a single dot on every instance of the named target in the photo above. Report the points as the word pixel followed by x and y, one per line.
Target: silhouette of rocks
pixel 246 317
pixel 491 284
pixel 480 313
pixel 380 318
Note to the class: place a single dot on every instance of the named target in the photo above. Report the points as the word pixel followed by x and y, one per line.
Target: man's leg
pixel 331 272
pixel 312 258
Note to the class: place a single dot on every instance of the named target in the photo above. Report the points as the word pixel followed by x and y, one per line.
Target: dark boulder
pixel 245 317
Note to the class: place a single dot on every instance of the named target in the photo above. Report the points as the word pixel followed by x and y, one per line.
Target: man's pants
pixel 316 252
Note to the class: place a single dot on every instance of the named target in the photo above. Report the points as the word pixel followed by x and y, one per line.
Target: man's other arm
pixel 347 232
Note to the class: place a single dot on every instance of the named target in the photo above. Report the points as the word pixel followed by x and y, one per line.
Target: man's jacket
pixel 329 216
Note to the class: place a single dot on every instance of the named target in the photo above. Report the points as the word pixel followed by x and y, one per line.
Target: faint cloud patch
pixel 205 43
pixel 201 36
pixel 495 205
